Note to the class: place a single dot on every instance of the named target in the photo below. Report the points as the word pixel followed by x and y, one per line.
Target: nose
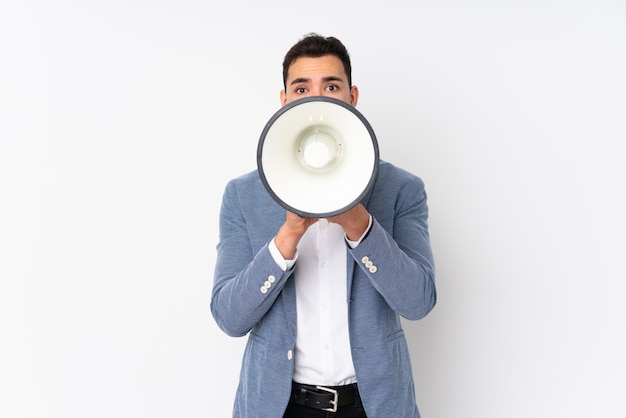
pixel 317 91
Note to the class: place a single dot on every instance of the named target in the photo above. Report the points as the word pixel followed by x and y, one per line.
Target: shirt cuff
pixel 353 244
pixel 278 257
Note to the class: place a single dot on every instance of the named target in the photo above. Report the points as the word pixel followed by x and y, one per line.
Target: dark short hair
pixel 314 46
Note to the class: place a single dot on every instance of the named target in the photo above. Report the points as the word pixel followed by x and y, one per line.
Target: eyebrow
pixel 325 80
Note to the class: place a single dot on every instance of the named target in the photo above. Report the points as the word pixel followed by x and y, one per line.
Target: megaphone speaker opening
pixel 319 149
pixel 317 157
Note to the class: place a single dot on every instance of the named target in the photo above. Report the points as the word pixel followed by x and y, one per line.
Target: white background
pixel 121 121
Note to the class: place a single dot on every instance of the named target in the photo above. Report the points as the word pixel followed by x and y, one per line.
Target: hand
pixel 354 222
pixel 290 232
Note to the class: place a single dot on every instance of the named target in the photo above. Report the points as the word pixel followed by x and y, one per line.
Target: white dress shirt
pixel 323 354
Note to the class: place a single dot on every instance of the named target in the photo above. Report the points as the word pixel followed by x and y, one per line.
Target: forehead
pixel 316 67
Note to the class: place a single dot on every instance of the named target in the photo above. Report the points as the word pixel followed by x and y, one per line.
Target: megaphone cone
pixel 318 157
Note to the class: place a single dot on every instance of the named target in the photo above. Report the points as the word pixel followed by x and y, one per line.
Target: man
pixel 321 300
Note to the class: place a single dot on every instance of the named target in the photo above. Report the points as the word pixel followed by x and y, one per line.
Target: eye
pixel 300 90
pixel 332 87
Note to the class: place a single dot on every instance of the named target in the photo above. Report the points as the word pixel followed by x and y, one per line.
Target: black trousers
pixel 301 411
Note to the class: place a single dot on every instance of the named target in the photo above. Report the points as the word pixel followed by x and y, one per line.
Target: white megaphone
pixel 318 157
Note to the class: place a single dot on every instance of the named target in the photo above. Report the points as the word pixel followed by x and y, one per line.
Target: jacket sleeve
pixel 396 254
pixel 247 281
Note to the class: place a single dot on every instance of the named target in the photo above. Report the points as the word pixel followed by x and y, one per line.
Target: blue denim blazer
pixel 402 283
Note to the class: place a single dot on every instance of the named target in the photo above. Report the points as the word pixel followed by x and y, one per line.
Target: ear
pixel 283 98
pixel 354 95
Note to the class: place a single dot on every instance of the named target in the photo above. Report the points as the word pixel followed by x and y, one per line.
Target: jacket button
pixel 373 269
pixel 289 355
pixel 369 264
pixel 267 284
pixel 365 259
pixel 263 289
pixel 271 278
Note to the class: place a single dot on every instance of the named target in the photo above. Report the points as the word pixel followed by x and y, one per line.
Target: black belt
pixel 326 398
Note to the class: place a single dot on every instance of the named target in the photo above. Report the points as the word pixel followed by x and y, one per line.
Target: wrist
pixel 286 243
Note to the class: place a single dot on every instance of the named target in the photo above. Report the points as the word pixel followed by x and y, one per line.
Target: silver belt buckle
pixel 334 402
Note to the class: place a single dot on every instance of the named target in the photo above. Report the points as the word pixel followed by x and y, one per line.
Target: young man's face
pixel 322 76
